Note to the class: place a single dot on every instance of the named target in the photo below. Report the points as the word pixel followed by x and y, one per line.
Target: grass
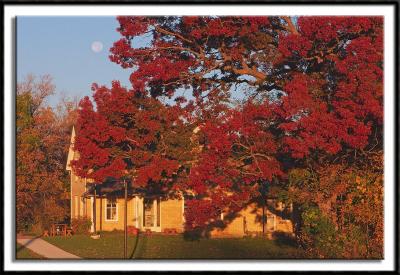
pixel 26 253
pixel 110 246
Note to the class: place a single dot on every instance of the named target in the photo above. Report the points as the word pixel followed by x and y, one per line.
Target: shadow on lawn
pixel 284 239
pixel 22 246
pixel 138 246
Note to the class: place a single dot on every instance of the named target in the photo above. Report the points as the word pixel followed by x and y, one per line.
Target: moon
pixel 97 46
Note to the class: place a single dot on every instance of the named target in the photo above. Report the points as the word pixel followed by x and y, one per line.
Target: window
pixel 111 210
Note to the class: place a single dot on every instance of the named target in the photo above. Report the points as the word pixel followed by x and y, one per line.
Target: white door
pixel 148 213
pixel 151 214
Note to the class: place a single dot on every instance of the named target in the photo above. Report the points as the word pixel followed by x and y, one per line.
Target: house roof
pixel 71 152
pixel 113 186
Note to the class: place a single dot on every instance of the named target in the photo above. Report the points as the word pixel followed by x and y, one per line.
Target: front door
pixel 148 213
pixel 271 222
pixel 151 214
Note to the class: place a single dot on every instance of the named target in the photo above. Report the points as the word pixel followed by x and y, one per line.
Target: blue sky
pixel 61 47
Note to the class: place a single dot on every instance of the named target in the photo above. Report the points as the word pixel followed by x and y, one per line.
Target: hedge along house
pixel 103 204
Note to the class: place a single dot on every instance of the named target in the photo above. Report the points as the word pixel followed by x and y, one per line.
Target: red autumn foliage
pixel 312 94
pixel 334 75
pixel 130 133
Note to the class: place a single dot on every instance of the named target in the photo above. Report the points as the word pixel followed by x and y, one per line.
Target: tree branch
pixel 164 31
pixel 290 26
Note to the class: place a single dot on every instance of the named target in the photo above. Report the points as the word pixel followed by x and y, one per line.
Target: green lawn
pixel 110 246
pixel 25 253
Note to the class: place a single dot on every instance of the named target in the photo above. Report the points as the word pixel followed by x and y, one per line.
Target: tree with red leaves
pixel 237 160
pixel 205 54
pixel 133 133
pixel 334 95
pixel 209 56
pixel 324 71
pixel 317 82
pixel 310 97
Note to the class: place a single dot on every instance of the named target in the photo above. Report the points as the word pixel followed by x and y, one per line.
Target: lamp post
pixel 90 180
pixel 125 213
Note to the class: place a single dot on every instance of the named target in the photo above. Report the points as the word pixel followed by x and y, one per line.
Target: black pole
pixel 101 210
pixel 264 190
pixel 94 210
pixel 125 220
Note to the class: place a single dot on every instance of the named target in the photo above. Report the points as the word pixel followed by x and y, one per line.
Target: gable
pixel 71 152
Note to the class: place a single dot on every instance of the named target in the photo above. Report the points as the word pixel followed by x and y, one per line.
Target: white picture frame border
pixel 388 11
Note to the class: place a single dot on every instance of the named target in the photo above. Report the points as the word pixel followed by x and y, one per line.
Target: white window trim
pixel 105 211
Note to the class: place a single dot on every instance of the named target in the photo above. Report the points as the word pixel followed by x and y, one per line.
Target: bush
pixel 81 225
pixel 37 228
pixel 194 234
pixel 319 235
pixel 39 225
pixel 282 238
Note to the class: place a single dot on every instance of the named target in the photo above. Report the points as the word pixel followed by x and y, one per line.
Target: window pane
pixel 108 214
pixel 111 209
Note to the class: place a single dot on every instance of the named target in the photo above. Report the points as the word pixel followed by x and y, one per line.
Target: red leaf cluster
pixel 311 90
